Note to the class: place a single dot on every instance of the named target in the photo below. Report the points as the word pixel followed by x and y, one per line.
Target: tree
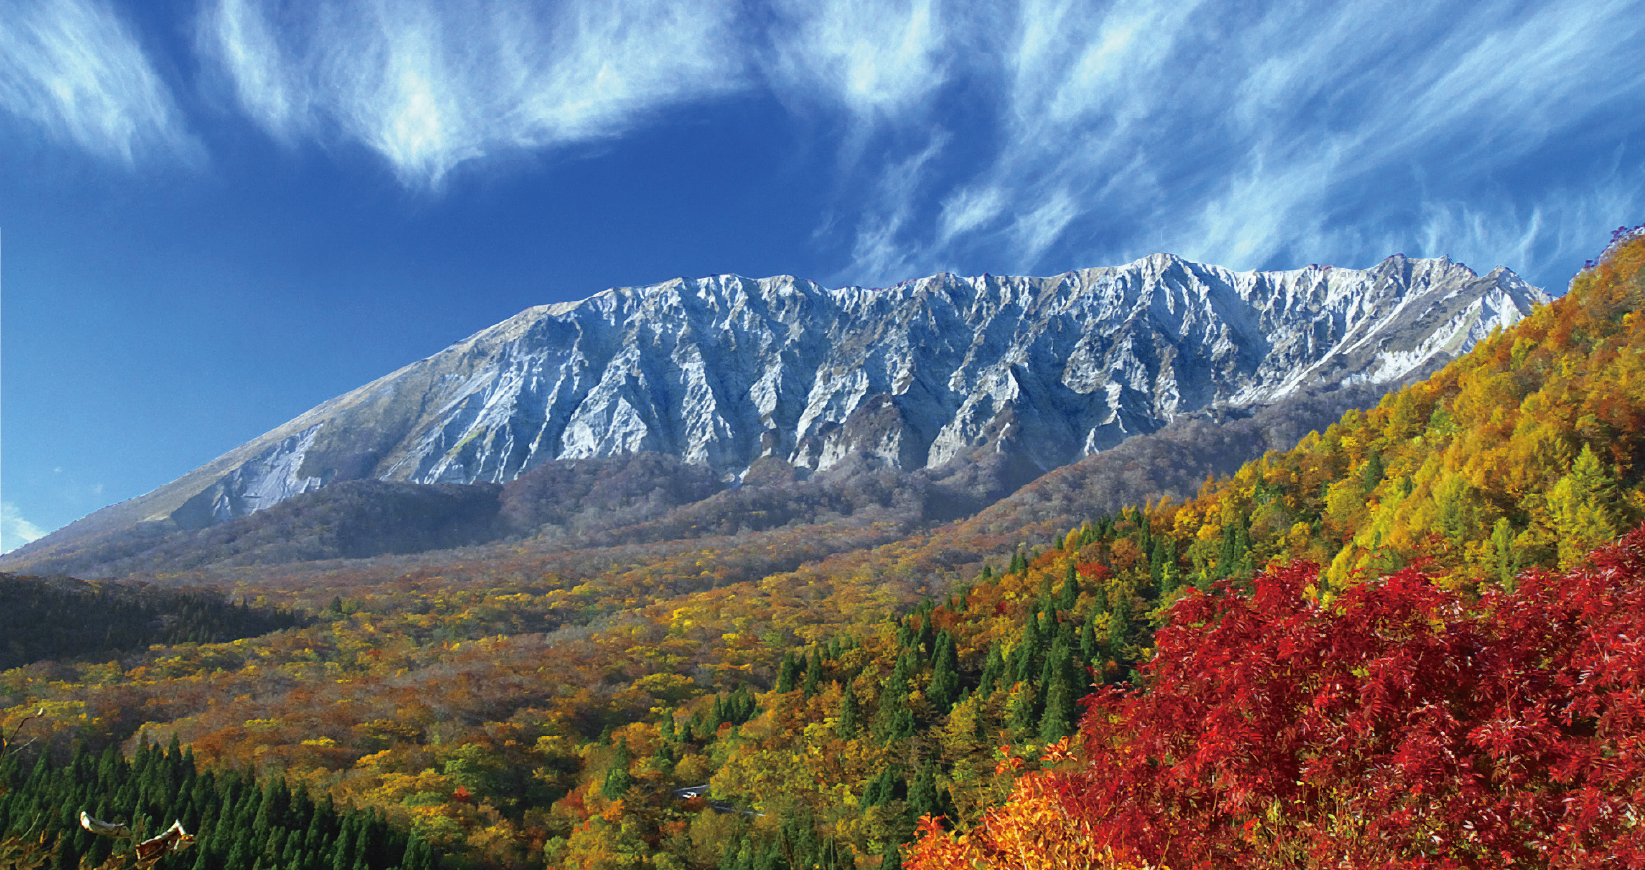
pixel 618 780
pixel 813 675
pixel 1406 724
pixel 1583 504
pixel 848 719
pixel 944 688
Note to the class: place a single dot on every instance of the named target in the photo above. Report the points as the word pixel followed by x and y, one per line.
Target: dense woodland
pixel 237 824
pixel 838 683
pixel 63 618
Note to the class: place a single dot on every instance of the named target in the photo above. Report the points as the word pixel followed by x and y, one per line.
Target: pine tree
pixel 992 668
pixel 848 719
pixel 787 673
pixel 813 675
pixel 1583 505
pixel 893 720
pixel 1502 550
pixel 923 798
pixel 945 679
pixel 1070 589
pixel 1024 657
pixel 1062 687
pixel 1119 628
pixel 618 779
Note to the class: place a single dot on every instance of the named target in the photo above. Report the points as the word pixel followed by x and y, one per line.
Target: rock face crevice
pixel 726 370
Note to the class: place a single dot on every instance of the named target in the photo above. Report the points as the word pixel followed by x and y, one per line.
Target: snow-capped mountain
pixel 726 370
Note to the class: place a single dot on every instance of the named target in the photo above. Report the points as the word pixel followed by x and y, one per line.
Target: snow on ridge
pixel 725 370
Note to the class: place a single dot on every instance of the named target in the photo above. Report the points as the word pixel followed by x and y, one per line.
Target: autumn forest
pixel 1406 632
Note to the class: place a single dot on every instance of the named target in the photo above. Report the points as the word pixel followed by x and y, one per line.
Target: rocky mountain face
pixel 728 372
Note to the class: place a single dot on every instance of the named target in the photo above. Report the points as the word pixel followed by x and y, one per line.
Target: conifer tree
pixel 923 798
pixel 1119 628
pixel 848 719
pixel 945 678
pixel 992 668
pixel 813 675
pixel 618 779
pixel 1502 550
pixel 1373 473
pixel 1583 504
pixel 894 720
pixel 1070 589
pixel 787 673
pixel 1024 657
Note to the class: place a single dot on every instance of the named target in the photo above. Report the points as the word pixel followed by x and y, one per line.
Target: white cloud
pixel 1069 133
pixel 428 85
pixel 877 58
pixel 1331 132
pixel 14 530
pixel 879 255
pixel 75 69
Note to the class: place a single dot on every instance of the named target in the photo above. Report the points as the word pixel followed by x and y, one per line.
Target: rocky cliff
pixel 726 370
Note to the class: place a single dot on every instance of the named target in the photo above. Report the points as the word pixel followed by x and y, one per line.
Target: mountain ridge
pixel 727 371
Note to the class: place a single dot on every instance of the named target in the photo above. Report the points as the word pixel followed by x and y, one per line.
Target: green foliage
pixel 62 618
pixel 237 822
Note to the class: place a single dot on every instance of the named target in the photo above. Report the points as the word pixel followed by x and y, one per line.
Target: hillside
pixel 1479 710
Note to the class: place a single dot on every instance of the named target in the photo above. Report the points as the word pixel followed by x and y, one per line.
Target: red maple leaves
pixel 1400 725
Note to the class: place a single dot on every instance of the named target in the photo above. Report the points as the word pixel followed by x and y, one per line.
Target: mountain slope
pixel 725 371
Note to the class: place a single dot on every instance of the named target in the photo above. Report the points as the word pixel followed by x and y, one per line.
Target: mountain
pixel 518 704
pixel 729 371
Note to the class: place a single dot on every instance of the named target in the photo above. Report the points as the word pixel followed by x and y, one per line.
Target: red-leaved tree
pixel 1400 725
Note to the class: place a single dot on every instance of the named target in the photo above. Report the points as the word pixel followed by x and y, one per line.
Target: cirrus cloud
pixel 431 85
pixel 74 68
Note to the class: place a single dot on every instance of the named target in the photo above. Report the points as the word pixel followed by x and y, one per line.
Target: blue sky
pixel 215 214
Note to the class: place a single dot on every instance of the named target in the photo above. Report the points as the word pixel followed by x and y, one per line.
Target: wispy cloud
pixel 1019 136
pixel 879 59
pixel 429 85
pixel 73 68
pixel 879 254
pixel 14 530
pixel 1325 132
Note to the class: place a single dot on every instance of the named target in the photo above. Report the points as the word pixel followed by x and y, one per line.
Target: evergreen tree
pixel 945 678
pixel 848 719
pixel 1063 685
pixel 1583 504
pixel 893 720
pixel 992 668
pixel 1024 657
pixel 1119 629
pixel 1373 473
pixel 923 798
pixel 618 779
pixel 787 673
pixel 813 675
pixel 1502 549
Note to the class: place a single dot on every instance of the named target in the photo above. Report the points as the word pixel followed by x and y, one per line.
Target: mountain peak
pixel 726 371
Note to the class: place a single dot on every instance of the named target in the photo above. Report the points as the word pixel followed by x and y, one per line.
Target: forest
pixel 1277 667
